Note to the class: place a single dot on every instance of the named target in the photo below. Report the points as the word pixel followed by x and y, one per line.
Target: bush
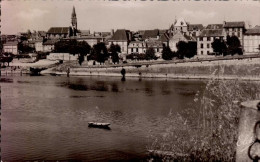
pixel 209 134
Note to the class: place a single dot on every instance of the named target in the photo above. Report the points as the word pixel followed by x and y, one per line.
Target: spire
pixel 73 12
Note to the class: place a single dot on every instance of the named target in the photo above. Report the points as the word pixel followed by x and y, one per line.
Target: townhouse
pixel 205 39
pixel 252 40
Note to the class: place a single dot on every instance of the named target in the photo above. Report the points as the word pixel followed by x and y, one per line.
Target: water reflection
pixel 48 116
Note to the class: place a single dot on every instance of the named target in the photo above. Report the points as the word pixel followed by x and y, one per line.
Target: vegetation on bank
pixel 209 134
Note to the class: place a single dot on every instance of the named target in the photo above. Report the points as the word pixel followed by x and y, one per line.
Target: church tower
pixel 74 19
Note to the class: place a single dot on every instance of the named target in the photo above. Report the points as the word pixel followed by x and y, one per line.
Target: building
pixel 91 39
pixel 137 47
pixel 205 39
pixel 252 40
pixel 194 30
pixel 48 45
pixel 151 34
pixel 177 37
pixel 214 26
pixel 11 47
pixel 122 38
pixel 234 28
pixel 179 25
pixel 157 45
pixel 64 32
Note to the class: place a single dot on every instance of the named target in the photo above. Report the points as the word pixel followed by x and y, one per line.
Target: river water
pixel 46 117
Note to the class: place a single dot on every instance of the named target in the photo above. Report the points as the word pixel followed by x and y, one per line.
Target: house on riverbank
pixel 252 40
pixel 11 47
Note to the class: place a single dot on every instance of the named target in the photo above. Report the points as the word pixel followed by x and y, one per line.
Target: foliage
pixel 136 56
pixel 150 54
pixel 219 47
pixel 185 49
pixel 114 50
pixel 99 53
pixel 209 134
pixel 167 53
pixel 24 48
pixel 234 45
pixel 73 47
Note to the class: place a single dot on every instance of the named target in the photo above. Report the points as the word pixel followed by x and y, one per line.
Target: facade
pixel 39 46
pixel 157 45
pixel 205 39
pixel 122 38
pixel 11 47
pixel 179 25
pixel 48 46
pixel 176 38
pixel 252 40
pixel 234 28
pixel 137 47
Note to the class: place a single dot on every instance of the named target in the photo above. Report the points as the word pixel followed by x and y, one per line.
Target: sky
pixel 100 15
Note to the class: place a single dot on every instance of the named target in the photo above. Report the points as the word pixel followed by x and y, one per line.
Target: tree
pixel 167 53
pixel 99 53
pixel 24 48
pixel 182 49
pixel 191 50
pixel 150 54
pixel 186 49
pixel 73 47
pixel 219 47
pixel 234 45
pixel 114 49
pixel 83 50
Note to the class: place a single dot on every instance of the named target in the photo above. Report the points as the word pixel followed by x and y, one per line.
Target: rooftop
pixel 58 30
pixel 240 24
pixel 253 31
pixel 212 33
pixel 13 43
pixel 150 33
pixel 121 34
pixel 195 27
pixel 214 26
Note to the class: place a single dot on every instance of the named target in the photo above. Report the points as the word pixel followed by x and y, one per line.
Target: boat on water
pixel 98 125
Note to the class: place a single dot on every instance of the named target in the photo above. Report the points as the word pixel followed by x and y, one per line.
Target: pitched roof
pixel 150 33
pixel 240 24
pixel 152 43
pixel 253 31
pixel 180 22
pixel 121 34
pixel 179 36
pixel 11 43
pixel 50 42
pixel 211 33
pixel 214 26
pixel 164 37
pixel 85 32
pixel 195 27
pixel 58 30
pixel 162 31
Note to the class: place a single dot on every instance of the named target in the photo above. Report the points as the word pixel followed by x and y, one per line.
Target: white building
pixel 205 39
pixel 137 47
pixel 122 38
pixel 234 28
pixel 11 47
pixel 252 40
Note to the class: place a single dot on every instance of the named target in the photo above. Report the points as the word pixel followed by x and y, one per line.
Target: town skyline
pixel 41 15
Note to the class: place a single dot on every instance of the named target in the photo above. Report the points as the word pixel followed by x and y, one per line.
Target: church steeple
pixel 74 18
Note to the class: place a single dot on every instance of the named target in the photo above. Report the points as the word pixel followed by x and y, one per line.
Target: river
pixel 46 117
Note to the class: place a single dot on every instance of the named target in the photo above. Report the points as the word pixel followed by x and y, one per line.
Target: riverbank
pixel 242 69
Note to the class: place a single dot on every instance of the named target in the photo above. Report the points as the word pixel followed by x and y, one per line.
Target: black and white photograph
pixel 130 80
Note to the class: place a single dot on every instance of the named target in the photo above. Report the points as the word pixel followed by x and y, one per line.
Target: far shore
pixel 241 69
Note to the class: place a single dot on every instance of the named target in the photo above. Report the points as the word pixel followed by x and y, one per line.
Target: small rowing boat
pixel 98 125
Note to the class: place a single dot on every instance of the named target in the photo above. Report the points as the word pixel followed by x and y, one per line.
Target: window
pixel 201 45
pixel 208 46
pixel 208 38
pixel 157 49
pixel 201 52
pixel 201 38
pixel 207 52
pixel 132 50
pixel 136 49
pixel 238 34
